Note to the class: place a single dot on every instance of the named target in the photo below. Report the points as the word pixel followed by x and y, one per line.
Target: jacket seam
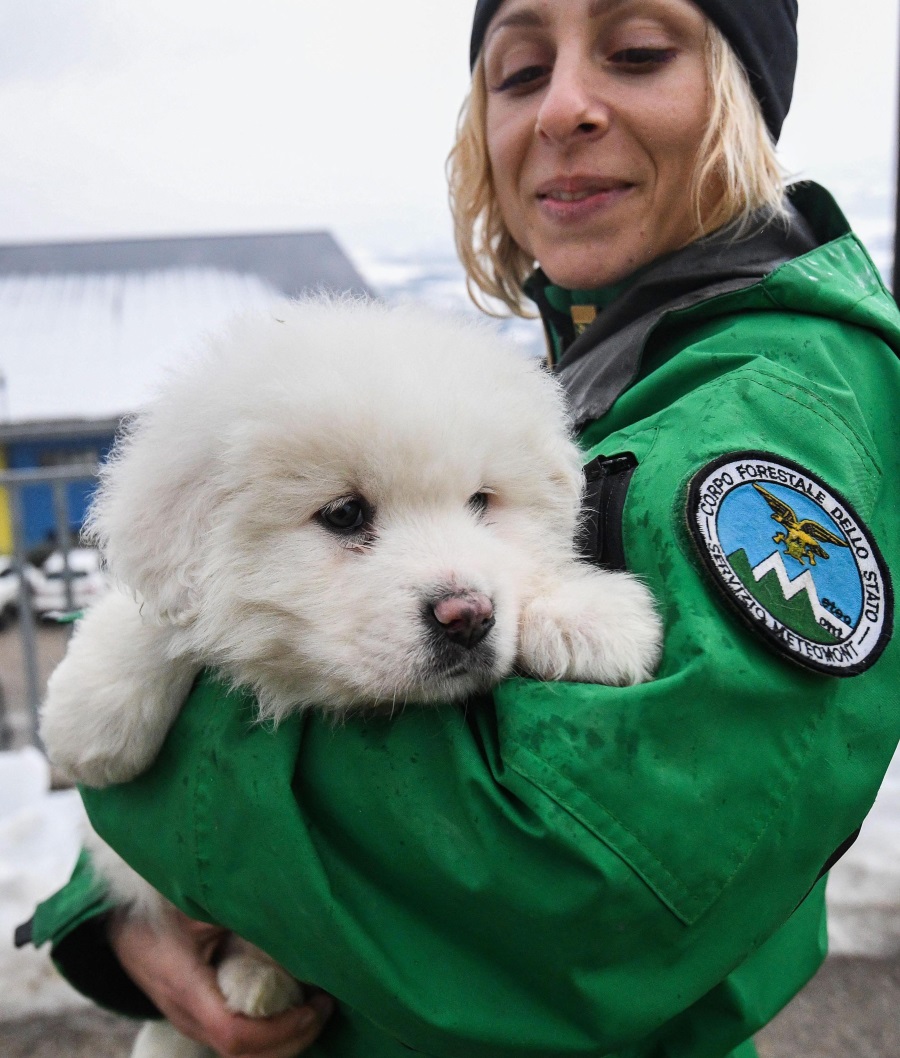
pixel 852 436
pixel 702 899
pixel 605 838
pixel 677 510
pixel 200 808
pixel 848 237
pixel 800 754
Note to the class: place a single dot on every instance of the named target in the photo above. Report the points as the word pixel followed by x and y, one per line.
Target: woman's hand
pixel 172 964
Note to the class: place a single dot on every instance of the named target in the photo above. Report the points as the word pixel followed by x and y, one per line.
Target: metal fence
pixel 15 482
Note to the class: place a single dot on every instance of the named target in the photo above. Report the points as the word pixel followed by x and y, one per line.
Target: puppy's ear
pixel 153 513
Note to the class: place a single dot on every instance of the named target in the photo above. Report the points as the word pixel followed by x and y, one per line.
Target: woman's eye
pixel 522 78
pixel 348 515
pixel 478 503
pixel 642 59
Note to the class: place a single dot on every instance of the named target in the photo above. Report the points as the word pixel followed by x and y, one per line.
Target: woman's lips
pixel 575 199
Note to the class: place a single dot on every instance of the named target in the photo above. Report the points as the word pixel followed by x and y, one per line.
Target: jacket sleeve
pixel 570 869
pixel 73 920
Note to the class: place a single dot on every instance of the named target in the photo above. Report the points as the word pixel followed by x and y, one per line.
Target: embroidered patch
pixel 795 560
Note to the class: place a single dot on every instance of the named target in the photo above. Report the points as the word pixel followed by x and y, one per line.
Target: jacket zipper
pixel 606 485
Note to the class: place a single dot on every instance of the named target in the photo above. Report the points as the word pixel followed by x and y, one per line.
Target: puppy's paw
pixel 593 627
pixel 114 695
pixel 98 772
pixel 95 746
pixel 101 735
pixel 254 985
pixel 159 1039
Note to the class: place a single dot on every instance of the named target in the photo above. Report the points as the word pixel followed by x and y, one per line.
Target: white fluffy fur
pixel 157 1039
pixel 208 518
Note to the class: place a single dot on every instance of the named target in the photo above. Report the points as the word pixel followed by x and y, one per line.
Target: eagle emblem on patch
pixel 795 560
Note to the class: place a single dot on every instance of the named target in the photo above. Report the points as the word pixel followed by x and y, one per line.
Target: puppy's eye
pixel 347 515
pixel 478 503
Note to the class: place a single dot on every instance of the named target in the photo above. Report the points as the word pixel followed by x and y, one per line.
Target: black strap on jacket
pixel 606 485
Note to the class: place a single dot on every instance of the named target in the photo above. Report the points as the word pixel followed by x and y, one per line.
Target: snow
pixel 438 280
pixel 39 840
pixel 864 888
pixel 40 834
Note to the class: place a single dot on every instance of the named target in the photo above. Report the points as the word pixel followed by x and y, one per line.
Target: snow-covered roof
pixel 88 329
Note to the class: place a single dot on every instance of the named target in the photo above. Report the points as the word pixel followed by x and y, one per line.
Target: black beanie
pixel 763 34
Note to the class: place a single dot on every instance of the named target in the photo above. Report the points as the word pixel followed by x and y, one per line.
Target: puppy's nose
pixel 464 617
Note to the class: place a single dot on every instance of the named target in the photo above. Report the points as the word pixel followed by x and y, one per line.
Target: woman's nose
pixel 572 106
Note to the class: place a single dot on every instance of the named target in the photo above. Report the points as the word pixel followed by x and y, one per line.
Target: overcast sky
pixel 129 117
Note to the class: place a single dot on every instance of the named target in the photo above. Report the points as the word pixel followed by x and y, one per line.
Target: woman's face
pixel 596 110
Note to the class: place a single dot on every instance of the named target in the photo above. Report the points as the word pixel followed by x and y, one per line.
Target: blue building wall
pixel 37 500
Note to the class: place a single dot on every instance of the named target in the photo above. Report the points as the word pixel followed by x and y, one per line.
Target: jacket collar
pixel 598 364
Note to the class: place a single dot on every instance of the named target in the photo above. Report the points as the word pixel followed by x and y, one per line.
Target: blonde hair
pixel 736 174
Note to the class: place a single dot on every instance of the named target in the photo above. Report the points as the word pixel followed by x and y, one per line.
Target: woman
pixel 581 870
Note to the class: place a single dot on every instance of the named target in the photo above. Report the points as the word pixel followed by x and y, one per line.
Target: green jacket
pixel 575 869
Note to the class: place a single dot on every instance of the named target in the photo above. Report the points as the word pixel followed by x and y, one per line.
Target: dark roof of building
pixel 59 430
pixel 293 262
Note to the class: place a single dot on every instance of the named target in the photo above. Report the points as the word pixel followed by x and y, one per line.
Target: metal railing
pixel 15 481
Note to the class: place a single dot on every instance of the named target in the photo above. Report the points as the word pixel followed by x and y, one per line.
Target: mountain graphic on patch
pixel 795 603
pixel 794 559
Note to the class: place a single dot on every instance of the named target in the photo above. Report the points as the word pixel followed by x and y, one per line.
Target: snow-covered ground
pixel 864 888
pixel 39 839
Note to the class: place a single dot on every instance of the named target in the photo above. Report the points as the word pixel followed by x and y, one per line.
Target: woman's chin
pixel 603 263
pixel 595 272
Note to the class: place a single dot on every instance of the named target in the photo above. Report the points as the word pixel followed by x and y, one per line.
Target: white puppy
pixel 340 505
